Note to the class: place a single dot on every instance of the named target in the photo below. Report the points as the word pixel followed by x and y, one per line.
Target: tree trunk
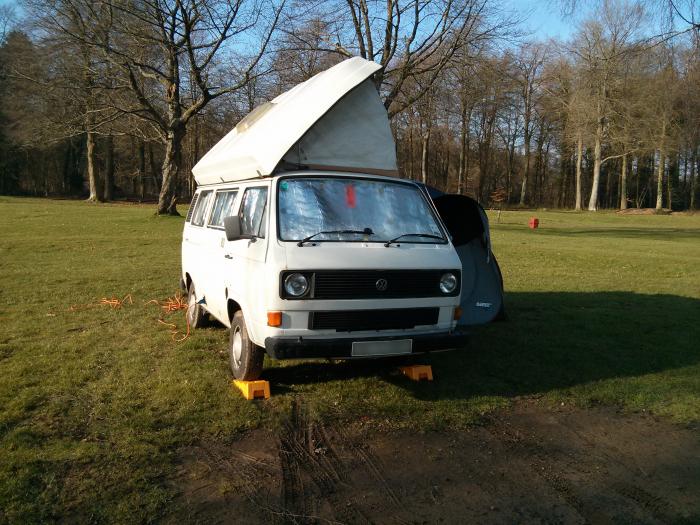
pixel 424 156
pixel 167 200
pixel 511 167
pixel 446 165
pixel 597 162
pixel 410 152
pixel 660 180
pixel 563 177
pixel 523 187
pixel 528 138
pixel 463 140
pixel 673 167
pixel 536 196
pixel 623 184
pixel 91 174
pixel 109 169
pixel 192 184
pixel 528 155
pixel 579 154
pixel 693 177
pixel 661 169
pixel 155 171
pixel 142 169
pixel 67 163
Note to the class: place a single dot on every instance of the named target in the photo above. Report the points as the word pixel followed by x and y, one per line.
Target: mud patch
pixel 527 464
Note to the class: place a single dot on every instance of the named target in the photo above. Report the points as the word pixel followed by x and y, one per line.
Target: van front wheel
pixel 246 358
pixel 196 316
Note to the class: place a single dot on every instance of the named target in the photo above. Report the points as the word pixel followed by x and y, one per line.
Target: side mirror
pixel 232 226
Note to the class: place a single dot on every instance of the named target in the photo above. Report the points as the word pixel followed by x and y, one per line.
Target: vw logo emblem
pixel 382 285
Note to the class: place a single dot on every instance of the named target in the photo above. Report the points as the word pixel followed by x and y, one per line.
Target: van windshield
pixel 309 205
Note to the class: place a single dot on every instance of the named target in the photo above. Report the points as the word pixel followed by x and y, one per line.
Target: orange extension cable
pixel 169 305
pixel 173 304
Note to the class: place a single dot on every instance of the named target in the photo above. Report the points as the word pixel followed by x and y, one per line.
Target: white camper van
pixel 303 241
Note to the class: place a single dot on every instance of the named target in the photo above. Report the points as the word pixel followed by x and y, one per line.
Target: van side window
pixel 223 207
pixel 192 205
pixel 253 212
pixel 202 206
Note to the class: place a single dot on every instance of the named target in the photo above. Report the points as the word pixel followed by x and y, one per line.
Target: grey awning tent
pixel 482 282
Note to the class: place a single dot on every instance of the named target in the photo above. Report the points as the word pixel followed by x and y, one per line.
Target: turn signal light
pixel 458 313
pixel 274 318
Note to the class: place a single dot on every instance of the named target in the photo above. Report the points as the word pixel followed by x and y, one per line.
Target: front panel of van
pixel 345 300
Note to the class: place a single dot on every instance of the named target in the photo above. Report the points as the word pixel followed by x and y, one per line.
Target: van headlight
pixel 448 282
pixel 296 284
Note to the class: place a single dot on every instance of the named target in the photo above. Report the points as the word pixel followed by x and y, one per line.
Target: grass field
pixel 95 402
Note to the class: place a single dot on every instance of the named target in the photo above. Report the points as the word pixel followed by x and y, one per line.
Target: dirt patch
pixel 527 464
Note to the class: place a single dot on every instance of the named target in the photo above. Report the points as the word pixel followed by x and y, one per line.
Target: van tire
pixel 245 357
pixel 196 315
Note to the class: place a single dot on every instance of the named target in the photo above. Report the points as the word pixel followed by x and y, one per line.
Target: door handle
pixel 228 256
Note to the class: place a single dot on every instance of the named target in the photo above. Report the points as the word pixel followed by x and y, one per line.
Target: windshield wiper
pixel 429 235
pixel 366 231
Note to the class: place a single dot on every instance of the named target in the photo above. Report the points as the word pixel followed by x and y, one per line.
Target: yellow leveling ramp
pixel 418 372
pixel 253 389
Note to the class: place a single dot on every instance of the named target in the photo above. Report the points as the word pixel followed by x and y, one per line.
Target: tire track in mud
pixel 657 507
pixel 295 498
pixel 314 475
pixel 247 475
pixel 371 464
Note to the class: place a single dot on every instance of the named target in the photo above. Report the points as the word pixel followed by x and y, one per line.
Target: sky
pixel 542 17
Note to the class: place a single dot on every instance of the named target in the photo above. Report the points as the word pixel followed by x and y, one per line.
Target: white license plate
pixel 380 348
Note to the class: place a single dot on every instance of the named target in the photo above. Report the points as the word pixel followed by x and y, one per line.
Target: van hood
pixel 334 121
pixel 370 256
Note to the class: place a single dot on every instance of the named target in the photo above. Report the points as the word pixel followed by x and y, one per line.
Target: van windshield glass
pixel 309 205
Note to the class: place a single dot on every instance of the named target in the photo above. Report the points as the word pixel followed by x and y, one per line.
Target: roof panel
pixel 260 140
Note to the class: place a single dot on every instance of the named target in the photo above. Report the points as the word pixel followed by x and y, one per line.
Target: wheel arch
pixel 231 308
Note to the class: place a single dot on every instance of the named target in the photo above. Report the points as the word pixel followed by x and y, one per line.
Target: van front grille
pixel 363 284
pixel 358 320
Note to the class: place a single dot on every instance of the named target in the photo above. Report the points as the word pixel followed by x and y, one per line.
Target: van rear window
pixel 223 207
pixel 201 208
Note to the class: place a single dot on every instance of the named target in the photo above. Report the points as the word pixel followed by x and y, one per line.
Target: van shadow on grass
pixel 551 340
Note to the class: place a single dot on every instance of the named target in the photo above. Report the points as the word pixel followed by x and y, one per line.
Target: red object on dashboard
pixel 350 198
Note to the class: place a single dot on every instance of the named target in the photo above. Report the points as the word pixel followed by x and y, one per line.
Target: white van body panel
pixel 248 272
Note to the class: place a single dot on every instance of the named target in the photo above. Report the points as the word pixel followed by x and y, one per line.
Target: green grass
pixel 95 403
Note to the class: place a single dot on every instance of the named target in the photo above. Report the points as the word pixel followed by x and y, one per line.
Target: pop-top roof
pixel 333 121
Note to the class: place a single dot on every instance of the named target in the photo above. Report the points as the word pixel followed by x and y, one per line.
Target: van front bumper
pixel 300 348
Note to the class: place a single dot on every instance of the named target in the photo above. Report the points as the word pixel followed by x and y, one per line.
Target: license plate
pixel 380 348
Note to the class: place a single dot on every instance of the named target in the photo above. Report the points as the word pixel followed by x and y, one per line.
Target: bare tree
pixel 600 48
pixel 528 76
pixel 409 38
pixel 566 100
pixel 156 49
pixel 662 119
